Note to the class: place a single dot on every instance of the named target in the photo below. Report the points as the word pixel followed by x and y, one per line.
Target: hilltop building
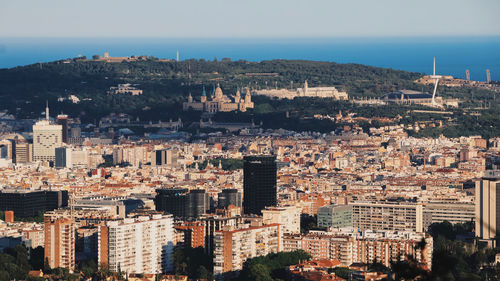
pixel 125 89
pixel 411 97
pixel 306 91
pixel 218 102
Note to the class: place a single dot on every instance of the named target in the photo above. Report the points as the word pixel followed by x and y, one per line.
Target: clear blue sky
pixel 248 18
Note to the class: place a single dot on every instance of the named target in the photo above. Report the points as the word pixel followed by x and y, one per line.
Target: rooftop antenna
pixel 436 81
pixel 72 204
pixel 47 110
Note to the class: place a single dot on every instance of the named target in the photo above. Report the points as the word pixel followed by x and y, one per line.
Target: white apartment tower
pixel 46 137
pixel 142 244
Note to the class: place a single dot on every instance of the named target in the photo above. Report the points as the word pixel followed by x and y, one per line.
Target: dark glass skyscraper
pixel 229 197
pixel 259 183
pixel 182 203
pixel 63 121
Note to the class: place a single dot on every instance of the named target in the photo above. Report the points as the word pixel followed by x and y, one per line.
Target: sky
pixel 248 18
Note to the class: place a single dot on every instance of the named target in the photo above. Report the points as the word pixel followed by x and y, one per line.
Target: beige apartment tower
pixel 46 137
pixel 488 208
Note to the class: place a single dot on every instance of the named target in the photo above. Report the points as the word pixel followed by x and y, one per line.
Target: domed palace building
pixel 218 102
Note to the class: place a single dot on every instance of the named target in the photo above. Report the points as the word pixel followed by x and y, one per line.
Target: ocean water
pixel 453 55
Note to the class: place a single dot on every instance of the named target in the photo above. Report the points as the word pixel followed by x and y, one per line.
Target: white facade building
pixel 46 137
pixel 388 216
pixel 306 91
pixel 137 245
pixel 288 217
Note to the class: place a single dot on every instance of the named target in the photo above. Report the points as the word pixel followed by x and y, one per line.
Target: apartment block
pixel 143 244
pixel 60 242
pixel 193 233
pixel 234 247
pixel 288 217
pixel 453 212
pixel 365 247
pixel 392 216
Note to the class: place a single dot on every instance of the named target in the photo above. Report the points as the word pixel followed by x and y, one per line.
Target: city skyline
pixel 265 140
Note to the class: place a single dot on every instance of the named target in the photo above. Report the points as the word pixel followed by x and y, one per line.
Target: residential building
pixel 363 247
pixel 288 217
pixel 234 246
pixel 60 242
pixel 453 212
pixel 214 223
pixel 193 233
pixel 143 244
pixel 385 215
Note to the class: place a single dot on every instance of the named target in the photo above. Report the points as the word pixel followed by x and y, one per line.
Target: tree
pixel 259 272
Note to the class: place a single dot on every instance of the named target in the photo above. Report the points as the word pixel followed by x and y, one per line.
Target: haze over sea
pixel 453 55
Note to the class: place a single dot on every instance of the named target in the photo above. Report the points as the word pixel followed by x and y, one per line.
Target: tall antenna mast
pixel 47 110
pixel 436 81
pixel 434 67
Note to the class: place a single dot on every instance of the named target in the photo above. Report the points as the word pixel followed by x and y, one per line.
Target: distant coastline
pixel 454 54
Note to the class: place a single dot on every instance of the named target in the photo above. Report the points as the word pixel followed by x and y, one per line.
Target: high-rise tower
pixel 46 137
pixel 488 207
pixel 259 183
pixel 62 120
pixel 60 242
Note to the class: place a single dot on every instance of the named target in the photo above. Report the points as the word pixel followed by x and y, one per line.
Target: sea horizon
pixel 415 54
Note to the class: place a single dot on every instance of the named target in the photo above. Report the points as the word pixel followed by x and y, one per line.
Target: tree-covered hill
pixel 167 83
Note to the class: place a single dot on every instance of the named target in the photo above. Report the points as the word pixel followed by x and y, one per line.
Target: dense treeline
pixel 271 267
pixel 453 259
